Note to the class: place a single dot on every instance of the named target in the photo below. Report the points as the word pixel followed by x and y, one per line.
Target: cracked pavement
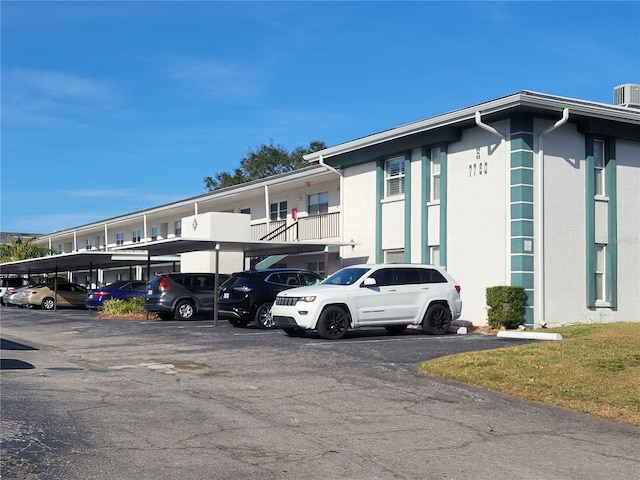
pixel 148 400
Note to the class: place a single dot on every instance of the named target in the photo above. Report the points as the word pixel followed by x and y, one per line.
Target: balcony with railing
pixel 315 227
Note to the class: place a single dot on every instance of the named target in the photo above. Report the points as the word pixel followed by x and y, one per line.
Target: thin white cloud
pixel 104 193
pixel 216 79
pixel 39 96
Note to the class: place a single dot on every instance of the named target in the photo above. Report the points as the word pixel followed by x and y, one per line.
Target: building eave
pixel 525 98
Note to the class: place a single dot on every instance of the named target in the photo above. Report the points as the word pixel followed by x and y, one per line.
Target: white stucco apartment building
pixel 528 189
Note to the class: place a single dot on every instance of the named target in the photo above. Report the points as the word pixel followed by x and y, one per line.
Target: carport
pixel 76 261
pixel 255 248
pixel 162 251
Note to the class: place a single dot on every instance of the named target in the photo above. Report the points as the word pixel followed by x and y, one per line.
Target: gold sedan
pixel 68 295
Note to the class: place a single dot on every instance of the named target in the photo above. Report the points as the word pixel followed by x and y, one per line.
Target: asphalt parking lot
pixel 84 398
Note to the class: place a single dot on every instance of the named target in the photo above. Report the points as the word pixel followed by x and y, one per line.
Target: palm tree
pixel 21 249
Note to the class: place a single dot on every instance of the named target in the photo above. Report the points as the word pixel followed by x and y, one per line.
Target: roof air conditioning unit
pixel 627 95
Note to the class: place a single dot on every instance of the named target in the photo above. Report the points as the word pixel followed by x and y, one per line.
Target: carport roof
pixel 82 261
pixel 159 251
pixel 255 248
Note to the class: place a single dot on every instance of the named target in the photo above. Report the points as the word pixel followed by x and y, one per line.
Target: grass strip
pixel 595 370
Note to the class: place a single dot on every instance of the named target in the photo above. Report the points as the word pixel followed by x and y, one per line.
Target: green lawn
pixel 595 369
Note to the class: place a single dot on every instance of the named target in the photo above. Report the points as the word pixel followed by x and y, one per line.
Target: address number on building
pixel 478 169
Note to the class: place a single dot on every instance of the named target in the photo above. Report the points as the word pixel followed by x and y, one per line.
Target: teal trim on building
pixel 611 187
pixel 443 205
pixel 522 228
pixel 407 207
pixel 523 263
pixel 590 224
pixel 425 189
pixel 521 195
pixel 379 197
pixel 611 250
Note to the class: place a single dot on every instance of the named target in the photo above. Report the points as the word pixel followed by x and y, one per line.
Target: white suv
pixel 390 296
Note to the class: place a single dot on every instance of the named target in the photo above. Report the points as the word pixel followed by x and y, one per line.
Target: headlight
pixel 309 299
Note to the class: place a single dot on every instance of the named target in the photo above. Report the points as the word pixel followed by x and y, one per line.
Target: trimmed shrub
pixel 133 306
pixel 506 306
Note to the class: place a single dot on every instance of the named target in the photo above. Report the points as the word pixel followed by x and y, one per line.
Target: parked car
pixel 122 290
pixel 13 296
pixel 44 296
pixel 392 296
pixel 181 295
pixel 10 283
pixel 248 296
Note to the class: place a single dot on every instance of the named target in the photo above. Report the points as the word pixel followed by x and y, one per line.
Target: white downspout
pixel 486 127
pixel 538 222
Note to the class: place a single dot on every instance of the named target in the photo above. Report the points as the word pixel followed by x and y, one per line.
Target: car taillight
pixel 100 294
pixel 458 288
pixel 163 284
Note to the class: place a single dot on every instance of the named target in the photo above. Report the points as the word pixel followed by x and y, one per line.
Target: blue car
pixel 123 290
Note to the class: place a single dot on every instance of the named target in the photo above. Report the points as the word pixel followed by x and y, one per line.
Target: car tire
pixel 48 303
pixel 263 318
pixel 395 329
pixel 333 323
pixel 437 320
pixel 293 332
pixel 185 310
pixel 236 322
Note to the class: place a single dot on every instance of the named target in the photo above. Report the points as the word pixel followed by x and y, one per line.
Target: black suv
pixel 248 295
pixel 181 295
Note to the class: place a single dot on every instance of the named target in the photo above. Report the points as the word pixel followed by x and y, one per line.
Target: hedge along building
pixel 529 189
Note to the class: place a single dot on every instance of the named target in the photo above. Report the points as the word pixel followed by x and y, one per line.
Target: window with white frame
pixel 136 235
pixel 89 244
pixel 318 203
pixel 434 255
pixel 154 233
pixel 394 256
pixel 435 174
pixel 600 273
pixel 598 165
pixel 394 176
pixel 178 228
pixel 278 211
pixel 119 238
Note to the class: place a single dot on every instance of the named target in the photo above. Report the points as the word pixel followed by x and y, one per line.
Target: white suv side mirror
pixel 369 282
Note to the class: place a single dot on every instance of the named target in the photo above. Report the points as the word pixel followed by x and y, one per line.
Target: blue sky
pixel 109 107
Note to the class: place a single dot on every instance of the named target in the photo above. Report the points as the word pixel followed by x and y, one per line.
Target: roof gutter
pixel 539 283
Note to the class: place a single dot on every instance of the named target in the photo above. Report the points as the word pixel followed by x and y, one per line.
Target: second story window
pixel 318 203
pixel 246 211
pixel 435 174
pixel 119 238
pixel 394 176
pixel 154 233
pixel 89 245
pixel 278 211
pixel 178 228
pixel 135 236
pixel 598 165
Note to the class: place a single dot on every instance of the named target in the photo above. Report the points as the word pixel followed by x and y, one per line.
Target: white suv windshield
pixel 346 276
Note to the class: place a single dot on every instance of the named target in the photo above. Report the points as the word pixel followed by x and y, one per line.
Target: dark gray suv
pixel 181 295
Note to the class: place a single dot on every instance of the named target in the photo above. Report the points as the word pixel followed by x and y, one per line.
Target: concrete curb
pixel 529 335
